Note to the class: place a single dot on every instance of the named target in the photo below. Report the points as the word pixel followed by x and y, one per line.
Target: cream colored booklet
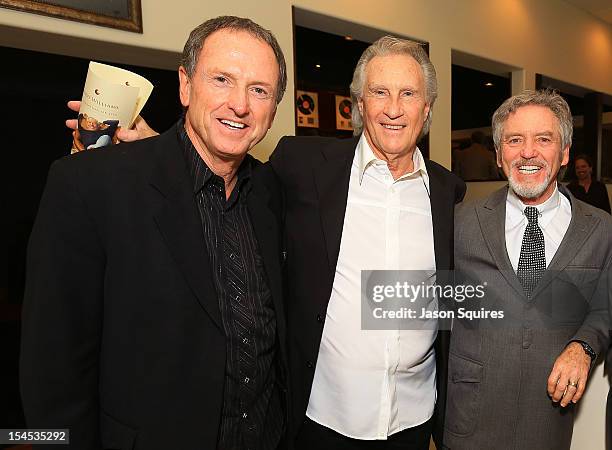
pixel 112 98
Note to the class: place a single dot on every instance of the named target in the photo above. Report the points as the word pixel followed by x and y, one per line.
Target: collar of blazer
pixel 492 219
pixel 332 177
pixel 179 223
pixel 178 220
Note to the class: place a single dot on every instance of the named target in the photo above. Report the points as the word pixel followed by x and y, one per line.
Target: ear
pixel 184 86
pixel 272 116
pixel 360 105
pixel 498 158
pixel 426 111
pixel 565 158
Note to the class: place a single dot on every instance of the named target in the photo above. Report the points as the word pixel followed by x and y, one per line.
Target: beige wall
pixel 544 36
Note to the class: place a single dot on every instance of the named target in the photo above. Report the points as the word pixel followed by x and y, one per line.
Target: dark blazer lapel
pixel 492 219
pixel 179 222
pixel 441 197
pixel 332 183
pixel 580 228
pixel 267 232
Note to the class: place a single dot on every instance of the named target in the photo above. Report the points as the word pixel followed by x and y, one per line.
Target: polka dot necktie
pixel 532 262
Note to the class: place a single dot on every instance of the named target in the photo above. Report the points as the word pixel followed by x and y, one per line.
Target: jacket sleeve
pixel 62 313
pixel 460 190
pixel 596 325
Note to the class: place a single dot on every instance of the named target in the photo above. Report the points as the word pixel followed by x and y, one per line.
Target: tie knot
pixel 532 214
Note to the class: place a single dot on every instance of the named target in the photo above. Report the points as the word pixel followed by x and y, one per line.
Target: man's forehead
pixel 533 111
pixel 228 50
pixel 233 39
pixel 532 117
pixel 397 69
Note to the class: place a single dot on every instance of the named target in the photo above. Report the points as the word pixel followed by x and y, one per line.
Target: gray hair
pixel 547 98
pixel 198 35
pixel 386 46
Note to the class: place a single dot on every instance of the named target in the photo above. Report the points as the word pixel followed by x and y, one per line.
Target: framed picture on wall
pixel 121 14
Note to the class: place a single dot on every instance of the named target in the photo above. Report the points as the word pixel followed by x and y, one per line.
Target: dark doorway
pixel 35 87
pixel 324 64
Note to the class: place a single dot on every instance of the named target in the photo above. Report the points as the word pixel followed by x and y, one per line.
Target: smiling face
pixel 583 170
pixel 393 105
pixel 230 97
pixel 531 153
pixel 89 123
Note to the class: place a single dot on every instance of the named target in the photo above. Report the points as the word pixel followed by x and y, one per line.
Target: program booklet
pixel 112 98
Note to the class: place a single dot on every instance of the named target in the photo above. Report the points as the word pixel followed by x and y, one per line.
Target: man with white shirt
pixel 544 259
pixel 368 203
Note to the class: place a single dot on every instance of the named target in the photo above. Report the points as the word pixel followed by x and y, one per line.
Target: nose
pixel 393 108
pixel 238 101
pixel 529 149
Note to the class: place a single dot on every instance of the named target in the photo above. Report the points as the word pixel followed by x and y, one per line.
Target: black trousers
pixel 313 436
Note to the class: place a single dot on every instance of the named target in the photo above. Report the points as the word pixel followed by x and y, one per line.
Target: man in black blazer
pixel 393 91
pixel 394 110
pixel 153 316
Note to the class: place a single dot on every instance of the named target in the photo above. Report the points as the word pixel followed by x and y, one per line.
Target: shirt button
pixel 245 341
pixel 232 256
pixel 238 298
pixel 246 380
pixel 244 415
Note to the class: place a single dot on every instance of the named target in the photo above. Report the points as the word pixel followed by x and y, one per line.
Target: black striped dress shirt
pixel 252 414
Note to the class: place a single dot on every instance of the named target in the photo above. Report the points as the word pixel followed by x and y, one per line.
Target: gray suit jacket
pixel 498 368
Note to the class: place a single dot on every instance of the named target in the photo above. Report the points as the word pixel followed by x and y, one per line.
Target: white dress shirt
pixel 554 216
pixel 369 384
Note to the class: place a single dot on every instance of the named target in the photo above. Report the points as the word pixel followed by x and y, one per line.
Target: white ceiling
pixel 599 8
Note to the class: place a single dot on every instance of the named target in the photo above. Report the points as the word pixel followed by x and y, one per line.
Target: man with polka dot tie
pixel 544 259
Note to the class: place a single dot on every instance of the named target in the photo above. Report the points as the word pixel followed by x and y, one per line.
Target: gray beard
pixel 529 191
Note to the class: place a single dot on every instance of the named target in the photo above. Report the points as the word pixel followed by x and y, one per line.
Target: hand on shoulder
pixel 140 129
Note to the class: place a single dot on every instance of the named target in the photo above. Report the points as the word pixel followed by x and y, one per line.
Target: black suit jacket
pixel 314 173
pixel 122 336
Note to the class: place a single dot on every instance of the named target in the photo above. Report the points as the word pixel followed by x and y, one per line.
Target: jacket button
pixel 309 364
pixel 319 318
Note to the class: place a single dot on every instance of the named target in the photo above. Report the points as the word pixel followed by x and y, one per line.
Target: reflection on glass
pixel 476 162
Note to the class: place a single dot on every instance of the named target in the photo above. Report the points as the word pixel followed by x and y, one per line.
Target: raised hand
pixel 140 129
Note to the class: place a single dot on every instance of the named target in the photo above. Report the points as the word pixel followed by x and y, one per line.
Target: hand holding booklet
pixel 112 98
